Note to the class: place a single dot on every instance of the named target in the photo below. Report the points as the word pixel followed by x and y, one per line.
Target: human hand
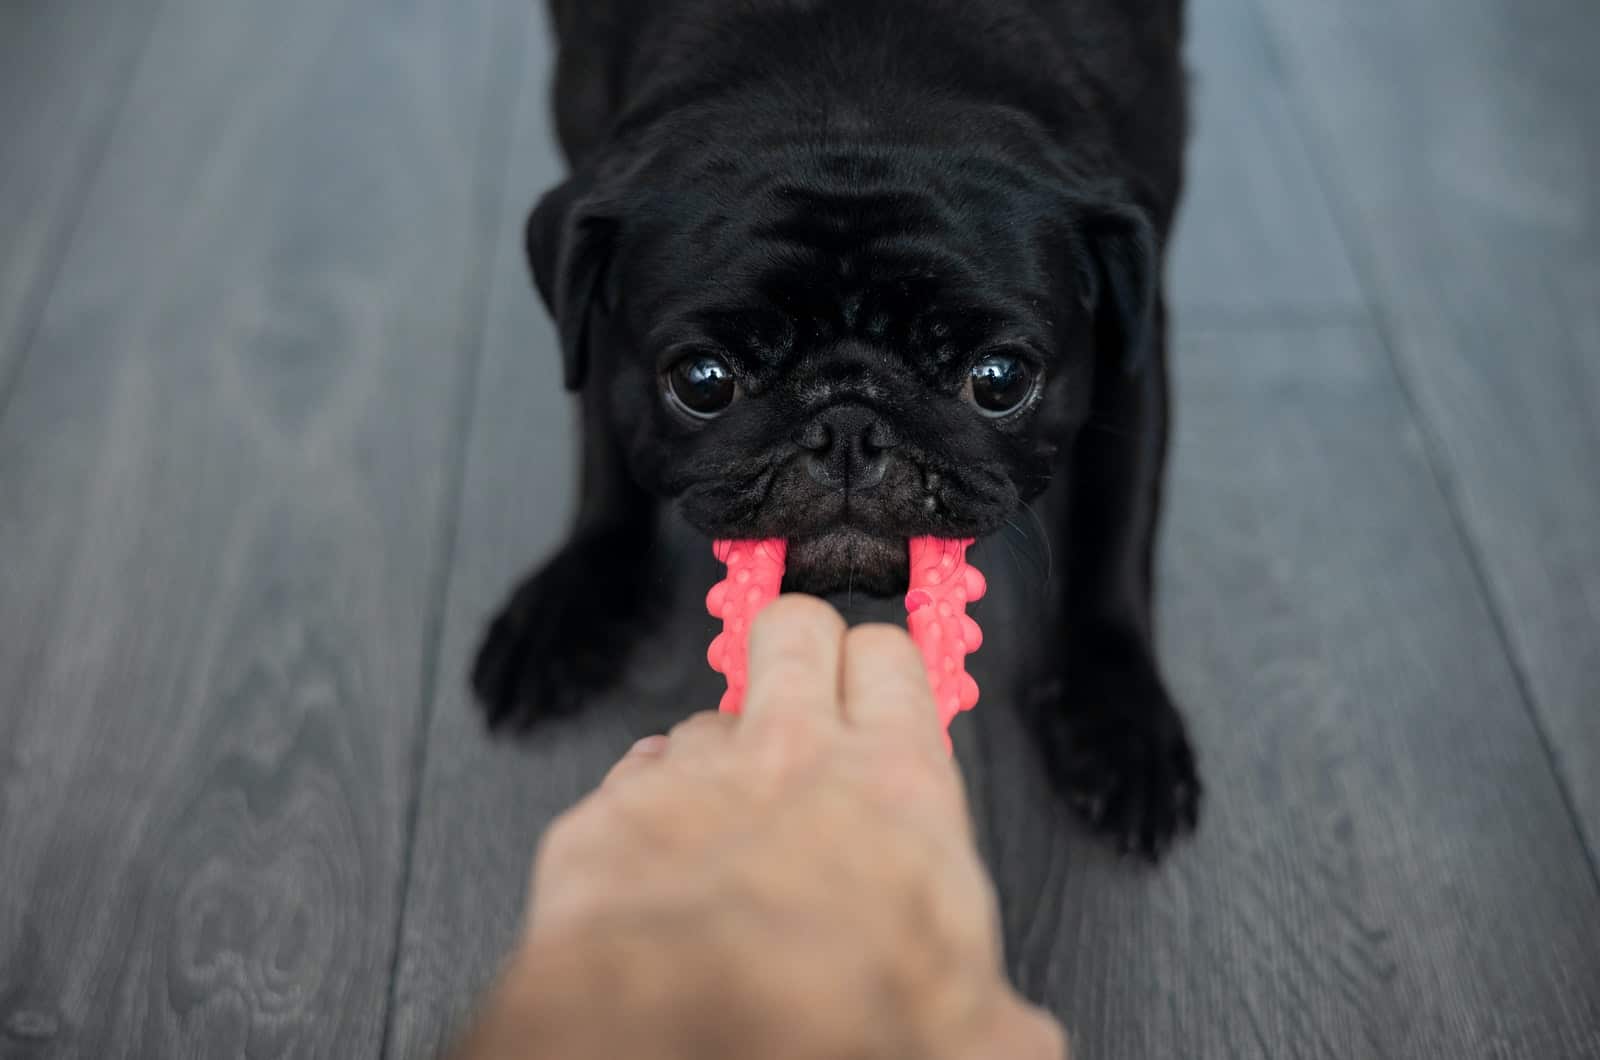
pixel 797 882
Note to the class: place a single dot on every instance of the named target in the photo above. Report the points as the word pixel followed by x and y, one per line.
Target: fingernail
pixel 650 745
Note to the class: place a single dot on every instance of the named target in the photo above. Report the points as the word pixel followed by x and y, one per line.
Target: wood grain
pixel 1385 866
pixel 482 804
pixel 225 475
pixel 1255 238
pixel 64 72
pixel 1463 142
pixel 227 514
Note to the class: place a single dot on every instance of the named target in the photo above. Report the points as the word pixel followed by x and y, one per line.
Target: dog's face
pixel 843 348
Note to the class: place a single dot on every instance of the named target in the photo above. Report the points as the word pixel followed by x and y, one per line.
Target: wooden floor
pixel 277 427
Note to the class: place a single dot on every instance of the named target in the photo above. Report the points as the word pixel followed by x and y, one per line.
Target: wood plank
pixel 1385 867
pixel 1255 238
pixel 64 72
pixel 224 483
pixel 484 804
pixel 1463 136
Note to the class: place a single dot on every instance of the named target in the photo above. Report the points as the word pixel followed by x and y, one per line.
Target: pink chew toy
pixel 755 573
pixel 942 584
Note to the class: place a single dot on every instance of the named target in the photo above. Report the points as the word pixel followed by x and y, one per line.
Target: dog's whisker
pixel 1044 536
pixel 1021 533
pixel 1016 560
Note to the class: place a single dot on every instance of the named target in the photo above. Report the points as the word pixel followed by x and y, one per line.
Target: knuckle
pixel 564 837
pixel 788 675
pixel 901 774
pixel 792 736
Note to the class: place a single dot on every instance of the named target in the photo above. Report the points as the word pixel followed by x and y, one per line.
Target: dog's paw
pixel 1120 756
pixel 562 636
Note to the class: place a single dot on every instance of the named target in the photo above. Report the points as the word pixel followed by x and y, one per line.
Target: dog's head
pixel 842 346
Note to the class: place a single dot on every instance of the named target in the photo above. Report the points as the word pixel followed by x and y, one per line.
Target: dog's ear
pixel 569 243
pixel 1119 275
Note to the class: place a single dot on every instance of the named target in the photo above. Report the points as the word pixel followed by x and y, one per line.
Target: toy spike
pixel 755 576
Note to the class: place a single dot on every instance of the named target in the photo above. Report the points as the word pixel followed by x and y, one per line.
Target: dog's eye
pixel 702 385
pixel 999 383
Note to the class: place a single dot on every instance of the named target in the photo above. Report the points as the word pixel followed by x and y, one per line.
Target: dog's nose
pixel 847 447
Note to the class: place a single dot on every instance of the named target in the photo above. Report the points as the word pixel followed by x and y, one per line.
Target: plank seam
pixel 506 66
pixel 1434 449
pixel 1192 319
pixel 57 252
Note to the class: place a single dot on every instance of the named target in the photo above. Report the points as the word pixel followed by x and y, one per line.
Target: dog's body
pixel 850 271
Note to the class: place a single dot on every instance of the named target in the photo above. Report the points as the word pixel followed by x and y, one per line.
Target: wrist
pixel 680 986
pixel 606 993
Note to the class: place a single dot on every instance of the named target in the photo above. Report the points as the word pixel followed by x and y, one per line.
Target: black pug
pixel 849 271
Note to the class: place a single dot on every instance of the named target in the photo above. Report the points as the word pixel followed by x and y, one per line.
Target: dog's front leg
pixel 1116 745
pixel 564 633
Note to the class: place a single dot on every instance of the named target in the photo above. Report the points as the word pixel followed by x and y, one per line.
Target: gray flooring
pixel 277 429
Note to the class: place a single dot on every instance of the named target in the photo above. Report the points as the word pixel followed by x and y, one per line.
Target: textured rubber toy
pixel 942 584
pixel 755 574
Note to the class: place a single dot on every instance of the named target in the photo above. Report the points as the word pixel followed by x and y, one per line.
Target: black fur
pixel 851 202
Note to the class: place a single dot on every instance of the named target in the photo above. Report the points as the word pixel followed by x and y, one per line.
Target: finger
pixel 886 684
pixel 645 752
pixel 795 647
